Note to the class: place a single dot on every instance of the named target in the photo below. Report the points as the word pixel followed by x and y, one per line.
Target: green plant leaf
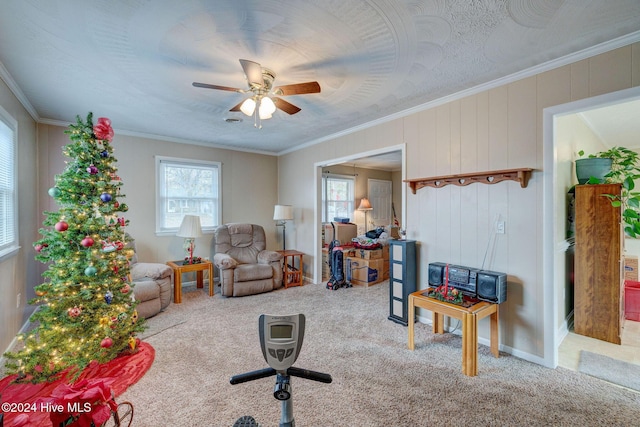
pixel 616 203
pixel 633 202
pixel 581 153
pixel 631 213
pixel 628 183
pixel 594 180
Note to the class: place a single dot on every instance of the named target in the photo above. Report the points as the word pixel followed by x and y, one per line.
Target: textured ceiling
pixel 134 60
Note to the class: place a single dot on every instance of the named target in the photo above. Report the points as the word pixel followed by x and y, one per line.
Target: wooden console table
pixel 199 268
pixel 469 317
pixel 292 276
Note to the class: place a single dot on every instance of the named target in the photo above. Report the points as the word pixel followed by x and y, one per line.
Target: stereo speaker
pixel 492 286
pixel 436 273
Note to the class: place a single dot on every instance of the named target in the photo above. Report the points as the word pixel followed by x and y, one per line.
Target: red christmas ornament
pixel 87 242
pixel 39 247
pixel 106 343
pixel 74 312
pixel 61 226
pixel 125 289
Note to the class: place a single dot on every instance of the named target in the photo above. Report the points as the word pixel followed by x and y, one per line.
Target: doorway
pixel 369 159
pixel 559 156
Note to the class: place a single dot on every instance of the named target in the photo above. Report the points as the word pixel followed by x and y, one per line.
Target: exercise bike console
pixel 281 339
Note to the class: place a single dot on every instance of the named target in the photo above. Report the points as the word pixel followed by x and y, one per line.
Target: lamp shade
pixel 248 106
pixel 365 205
pixel 190 227
pixel 267 108
pixel 282 212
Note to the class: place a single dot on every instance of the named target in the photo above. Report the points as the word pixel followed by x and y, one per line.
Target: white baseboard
pixel 485 341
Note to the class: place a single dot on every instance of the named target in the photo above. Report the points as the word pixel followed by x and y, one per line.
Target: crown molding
pixel 532 71
pixel 17 92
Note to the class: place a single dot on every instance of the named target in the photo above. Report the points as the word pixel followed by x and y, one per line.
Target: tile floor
pixel 629 351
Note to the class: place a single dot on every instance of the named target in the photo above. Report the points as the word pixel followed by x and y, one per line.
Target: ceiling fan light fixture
pixel 248 106
pixel 267 108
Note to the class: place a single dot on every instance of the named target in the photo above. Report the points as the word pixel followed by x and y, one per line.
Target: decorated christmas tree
pixel 86 310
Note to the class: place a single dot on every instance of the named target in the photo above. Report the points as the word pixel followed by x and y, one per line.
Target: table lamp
pixel 189 229
pixel 281 214
pixel 366 207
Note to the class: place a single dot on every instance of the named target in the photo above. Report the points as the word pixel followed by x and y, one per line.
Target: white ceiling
pixel 134 60
pixel 616 125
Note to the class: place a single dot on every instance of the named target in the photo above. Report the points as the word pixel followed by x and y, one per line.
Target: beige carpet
pixel 377 381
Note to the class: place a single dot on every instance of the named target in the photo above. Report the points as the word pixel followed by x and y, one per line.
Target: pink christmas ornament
pixel 74 312
pixel 61 226
pixel 87 242
pixel 106 343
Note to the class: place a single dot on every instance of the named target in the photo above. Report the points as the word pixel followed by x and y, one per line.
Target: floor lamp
pixel 282 213
pixel 366 207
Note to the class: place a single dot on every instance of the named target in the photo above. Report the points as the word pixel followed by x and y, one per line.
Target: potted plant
pixel 624 169
pixel 592 166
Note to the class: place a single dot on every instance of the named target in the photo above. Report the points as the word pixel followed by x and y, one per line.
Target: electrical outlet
pixel 18 299
pixel 500 227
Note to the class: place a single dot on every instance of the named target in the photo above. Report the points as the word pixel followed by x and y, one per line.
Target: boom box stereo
pixel 484 285
pixel 462 278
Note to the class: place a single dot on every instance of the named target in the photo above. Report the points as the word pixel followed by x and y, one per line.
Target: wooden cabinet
pixel 599 265
pixel 402 279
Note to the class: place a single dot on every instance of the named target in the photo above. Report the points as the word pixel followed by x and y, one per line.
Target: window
pixel 8 184
pixel 338 195
pixel 186 187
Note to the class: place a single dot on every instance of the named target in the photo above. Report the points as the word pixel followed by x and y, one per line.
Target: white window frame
pixel 9 239
pixel 325 197
pixel 161 162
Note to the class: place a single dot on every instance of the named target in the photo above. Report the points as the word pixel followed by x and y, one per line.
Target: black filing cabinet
pixel 402 278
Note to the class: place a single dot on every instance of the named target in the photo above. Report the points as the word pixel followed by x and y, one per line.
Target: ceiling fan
pixel 264 97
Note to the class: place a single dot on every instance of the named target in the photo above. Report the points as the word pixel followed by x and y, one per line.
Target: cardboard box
pixel 631 268
pixel 364 272
pixel 344 233
pixel 369 253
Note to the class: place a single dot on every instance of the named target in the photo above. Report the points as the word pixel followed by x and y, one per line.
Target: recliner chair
pixel 245 266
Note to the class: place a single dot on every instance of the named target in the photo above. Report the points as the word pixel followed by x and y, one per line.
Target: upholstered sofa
pixel 244 265
pixel 152 285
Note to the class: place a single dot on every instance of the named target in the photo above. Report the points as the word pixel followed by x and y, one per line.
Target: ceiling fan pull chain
pixel 256 113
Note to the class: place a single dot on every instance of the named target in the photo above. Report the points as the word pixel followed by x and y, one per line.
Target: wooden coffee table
pixel 199 268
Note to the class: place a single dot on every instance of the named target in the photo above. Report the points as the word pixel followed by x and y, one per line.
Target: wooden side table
pixel 469 317
pixel 292 276
pixel 199 268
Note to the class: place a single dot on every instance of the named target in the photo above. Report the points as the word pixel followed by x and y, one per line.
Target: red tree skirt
pixel 126 370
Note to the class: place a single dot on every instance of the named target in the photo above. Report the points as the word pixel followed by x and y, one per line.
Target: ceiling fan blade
pixel 208 86
pixel 285 106
pixel 297 89
pixel 253 72
pixel 237 107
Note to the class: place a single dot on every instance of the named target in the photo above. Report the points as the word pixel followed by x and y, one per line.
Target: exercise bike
pixel 281 340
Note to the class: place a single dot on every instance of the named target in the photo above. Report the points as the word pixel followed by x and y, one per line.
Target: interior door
pixel 380 198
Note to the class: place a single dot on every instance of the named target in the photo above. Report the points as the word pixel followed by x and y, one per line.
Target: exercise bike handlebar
pixel 253 375
pixel 294 372
pixel 309 375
